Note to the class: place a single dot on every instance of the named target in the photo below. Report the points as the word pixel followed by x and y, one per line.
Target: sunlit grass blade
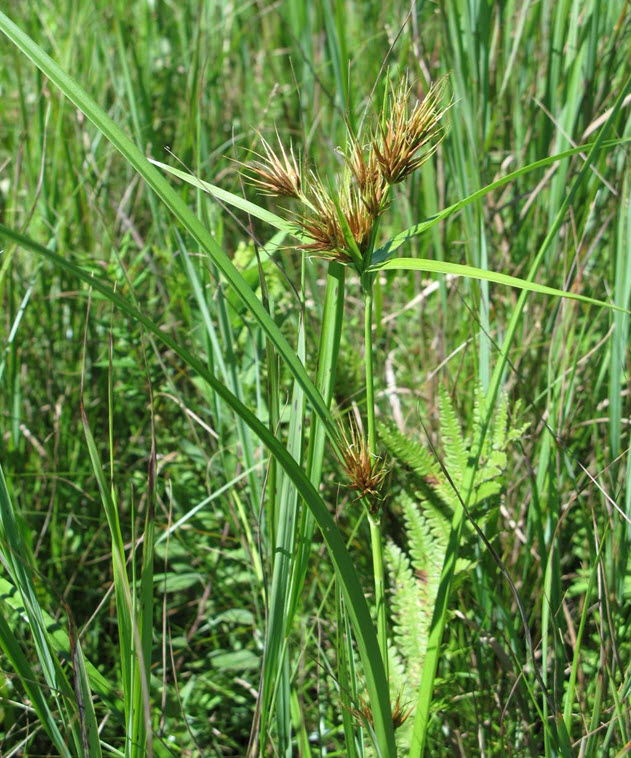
pixel 329 345
pixel 386 250
pixel 83 693
pixel 580 634
pixel 235 201
pixel 13 554
pixel 457 269
pixel 224 360
pixel 30 681
pixel 16 559
pixel 60 643
pixel 276 679
pixel 132 664
pixel 347 673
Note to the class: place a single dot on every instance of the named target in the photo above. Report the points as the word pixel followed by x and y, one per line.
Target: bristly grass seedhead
pixel 321 224
pixel 365 470
pixel 357 215
pixel 370 182
pixel 407 139
pixel 400 713
pixel 404 140
pixel 277 174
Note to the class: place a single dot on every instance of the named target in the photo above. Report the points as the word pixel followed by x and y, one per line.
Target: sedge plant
pixel 339 222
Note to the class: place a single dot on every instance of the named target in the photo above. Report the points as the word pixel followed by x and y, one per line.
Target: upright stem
pixel 367 283
pixel 380 595
pixel 374 519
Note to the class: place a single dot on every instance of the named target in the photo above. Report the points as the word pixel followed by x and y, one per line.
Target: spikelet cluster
pixel 363 713
pixel 409 137
pixel 405 138
pixel 366 471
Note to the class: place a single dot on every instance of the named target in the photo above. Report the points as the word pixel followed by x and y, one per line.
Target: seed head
pixel 359 219
pixel 407 139
pixel 277 173
pixel 365 470
pixel 368 177
pixel 400 713
pixel 322 225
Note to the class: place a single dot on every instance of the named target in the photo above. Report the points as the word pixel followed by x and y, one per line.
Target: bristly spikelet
pixel 277 173
pixel 407 139
pixel 359 219
pixel 368 177
pixel 365 470
pixel 322 224
pixel 363 713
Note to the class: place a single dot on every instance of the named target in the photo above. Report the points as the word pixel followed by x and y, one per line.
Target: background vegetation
pixel 137 535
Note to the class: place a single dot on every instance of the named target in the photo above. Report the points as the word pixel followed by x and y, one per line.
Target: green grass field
pixel 339 472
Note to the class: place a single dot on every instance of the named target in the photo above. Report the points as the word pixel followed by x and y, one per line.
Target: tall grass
pixel 187 568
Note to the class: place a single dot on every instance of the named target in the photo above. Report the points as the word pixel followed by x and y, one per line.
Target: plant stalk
pixel 374 519
pixel 367 284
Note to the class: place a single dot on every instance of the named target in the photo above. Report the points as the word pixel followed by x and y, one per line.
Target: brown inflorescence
pixel 400 713
pixel 403 142
pixel 277 174
pixel 406 140
pixel 365 470
pixel 370 182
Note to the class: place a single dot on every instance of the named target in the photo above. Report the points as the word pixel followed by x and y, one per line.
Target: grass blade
pixel 384 252
pixel 458 269
pixel 9 643
pixel 132 663
pixel 87 716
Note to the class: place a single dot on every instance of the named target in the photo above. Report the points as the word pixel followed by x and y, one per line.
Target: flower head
pixel 408 138
pixel 368 178
pixel 277 173
pixel 340 223
pixel 363 713
pixel 365 470
pixel 321 224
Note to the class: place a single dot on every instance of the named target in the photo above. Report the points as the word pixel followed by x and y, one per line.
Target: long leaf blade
pixel 177 207
pixel 458 269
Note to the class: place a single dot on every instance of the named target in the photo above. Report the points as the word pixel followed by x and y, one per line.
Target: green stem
pixel 374 519
pixel 367 283
pixel 380 595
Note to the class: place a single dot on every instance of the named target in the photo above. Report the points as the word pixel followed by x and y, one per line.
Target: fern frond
pixel 456 455
pixel 408 451
pixel 430 496
pixel 409 610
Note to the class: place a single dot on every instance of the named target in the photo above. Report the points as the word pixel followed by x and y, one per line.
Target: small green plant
pixel 430 494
